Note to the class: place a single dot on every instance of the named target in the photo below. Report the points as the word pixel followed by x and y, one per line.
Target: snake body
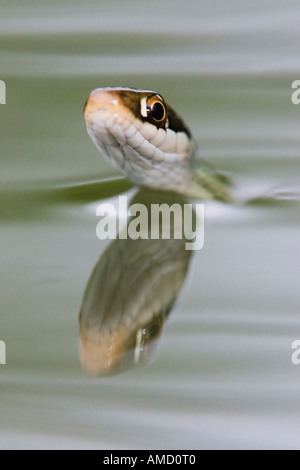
pixel 144 138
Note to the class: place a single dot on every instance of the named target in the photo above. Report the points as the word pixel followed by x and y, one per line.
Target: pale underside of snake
pixel 145 139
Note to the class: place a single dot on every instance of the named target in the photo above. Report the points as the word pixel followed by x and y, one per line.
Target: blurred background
pixel 223 377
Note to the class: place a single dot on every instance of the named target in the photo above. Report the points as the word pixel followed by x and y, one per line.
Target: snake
pixel 144 138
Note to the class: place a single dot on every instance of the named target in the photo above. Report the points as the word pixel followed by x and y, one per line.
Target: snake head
pixel 142 136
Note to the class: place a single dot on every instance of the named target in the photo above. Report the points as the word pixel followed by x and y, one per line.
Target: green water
pixel 223 376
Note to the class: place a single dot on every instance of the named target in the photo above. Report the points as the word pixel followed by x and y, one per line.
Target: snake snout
pixel 100 100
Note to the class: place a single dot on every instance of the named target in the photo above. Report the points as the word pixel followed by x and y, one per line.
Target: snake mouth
pixel 111 123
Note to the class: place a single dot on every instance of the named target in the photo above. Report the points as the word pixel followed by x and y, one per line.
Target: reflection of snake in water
pixel 130 293
pixel 145 139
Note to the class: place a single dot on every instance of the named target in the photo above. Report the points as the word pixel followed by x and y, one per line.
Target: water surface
pixel 223 376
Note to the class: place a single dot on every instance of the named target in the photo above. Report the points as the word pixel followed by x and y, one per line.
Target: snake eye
pixel 156 110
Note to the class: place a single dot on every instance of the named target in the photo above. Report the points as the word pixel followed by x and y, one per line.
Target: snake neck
pixel 206 184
